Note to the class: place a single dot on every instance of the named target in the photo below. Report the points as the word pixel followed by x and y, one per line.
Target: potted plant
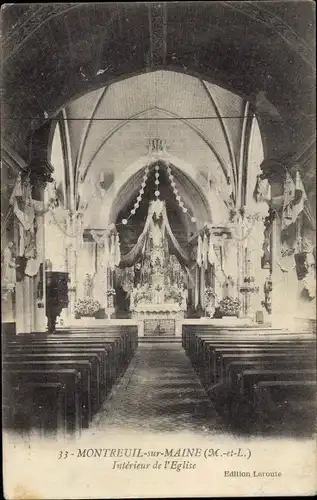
pixel 229 306
pixel 86 307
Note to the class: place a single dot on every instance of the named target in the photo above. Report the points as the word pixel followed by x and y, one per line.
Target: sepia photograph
pixel 158 249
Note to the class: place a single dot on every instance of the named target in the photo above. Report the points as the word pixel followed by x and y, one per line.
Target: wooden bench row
pixel 250 376
pixel 77 370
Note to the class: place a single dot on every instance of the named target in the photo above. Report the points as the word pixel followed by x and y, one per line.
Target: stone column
pixel 71 253
pixel 40 319
pixel 279 293
pixel 255 251
pixel 284 287
pixel 30 305
pixel 240 257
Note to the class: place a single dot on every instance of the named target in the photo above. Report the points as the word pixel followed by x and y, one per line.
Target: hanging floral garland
pixel 139 197
pixel 157 182
pixel 246 222
pixel 177 196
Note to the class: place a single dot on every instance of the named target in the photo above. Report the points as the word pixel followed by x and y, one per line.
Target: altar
pixel 158 297
pixel 156 321
pixel 156 317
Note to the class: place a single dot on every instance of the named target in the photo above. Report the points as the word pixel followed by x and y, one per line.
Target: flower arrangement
pixel 111 292
pixel 86 307
pixel 174 295
pixel 142 296
pixel 229 306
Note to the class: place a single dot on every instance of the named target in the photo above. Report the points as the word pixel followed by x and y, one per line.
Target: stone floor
pixel 159 392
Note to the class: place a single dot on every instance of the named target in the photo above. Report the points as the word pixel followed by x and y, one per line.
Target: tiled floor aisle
pixel 160 392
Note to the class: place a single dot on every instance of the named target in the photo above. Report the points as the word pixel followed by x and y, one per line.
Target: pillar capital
pixel 275 168
pixel 39 172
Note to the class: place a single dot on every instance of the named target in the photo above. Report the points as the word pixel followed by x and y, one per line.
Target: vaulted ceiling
pixel 54 53
pixel 109 131
pixel 111 127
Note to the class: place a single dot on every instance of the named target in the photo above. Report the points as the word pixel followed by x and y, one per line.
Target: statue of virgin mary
pixel 156 250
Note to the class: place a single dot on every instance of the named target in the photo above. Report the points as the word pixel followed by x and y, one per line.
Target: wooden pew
pixel 197 350
pixel 188 335
pixel 247 378
pixel 225 359
pixel 107 365
pixel 82 366
pixel 205 356
pixel 209 348
pixel 243 385
pixel 236 368
pixel 55 350
pixel 21 388
pixel 114 358
pixel 127 340
pixel 98 357
pixel 212 349
pixel 189 331
pixel 46 412
pixel 43 355
pixel 284 398
pixel 222 359
pixel 129 331
pixel 192 343
pixel 119 342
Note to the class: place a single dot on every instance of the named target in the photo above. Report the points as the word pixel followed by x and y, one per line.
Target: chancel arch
pixel 212 142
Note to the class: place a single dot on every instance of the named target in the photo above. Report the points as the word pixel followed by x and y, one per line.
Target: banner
pixel 293 201
pixel 262 191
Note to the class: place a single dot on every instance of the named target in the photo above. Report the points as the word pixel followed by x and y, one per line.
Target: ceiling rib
pixel 225 132
pixel 86 132
pixel 244 133
pixel 189 124
pixel 66 145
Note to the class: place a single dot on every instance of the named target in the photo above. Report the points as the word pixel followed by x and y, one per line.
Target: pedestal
pixel 109 312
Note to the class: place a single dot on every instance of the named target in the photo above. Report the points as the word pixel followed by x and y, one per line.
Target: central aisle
pixel 159 392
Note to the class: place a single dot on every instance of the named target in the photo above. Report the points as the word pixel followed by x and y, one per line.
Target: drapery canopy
pixel 156 209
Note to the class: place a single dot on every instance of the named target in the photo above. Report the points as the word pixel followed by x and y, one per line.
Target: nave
pixel 159 392
pixel 232 381
pixel 268 389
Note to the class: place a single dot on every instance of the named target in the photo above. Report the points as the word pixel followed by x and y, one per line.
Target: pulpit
pixel 56 296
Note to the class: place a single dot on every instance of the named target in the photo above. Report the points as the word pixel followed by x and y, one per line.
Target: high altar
pixel 159 299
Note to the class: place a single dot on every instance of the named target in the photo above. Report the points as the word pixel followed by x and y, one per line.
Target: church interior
pixel 158 217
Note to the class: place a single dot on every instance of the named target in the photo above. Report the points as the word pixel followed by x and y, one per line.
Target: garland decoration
pixel 157 182
pixel 139 197
pixel 177 196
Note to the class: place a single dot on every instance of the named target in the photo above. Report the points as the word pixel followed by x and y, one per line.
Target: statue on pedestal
pixel 9 267
pixel 88 286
